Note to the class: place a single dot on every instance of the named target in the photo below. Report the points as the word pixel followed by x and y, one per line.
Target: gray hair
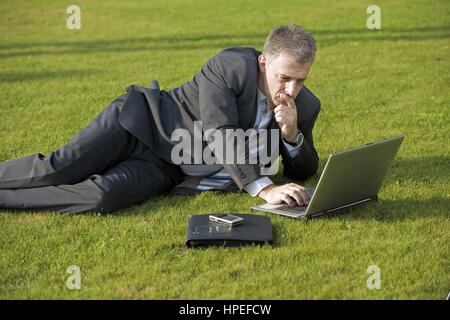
pixel 293 40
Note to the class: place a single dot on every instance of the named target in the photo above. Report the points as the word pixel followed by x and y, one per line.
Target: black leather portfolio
pixel 202 232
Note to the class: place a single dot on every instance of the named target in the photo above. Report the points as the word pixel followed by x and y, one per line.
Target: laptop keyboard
pixel 283 209
pixel 294 209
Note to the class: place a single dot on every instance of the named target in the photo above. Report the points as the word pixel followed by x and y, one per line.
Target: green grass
pixel 372 83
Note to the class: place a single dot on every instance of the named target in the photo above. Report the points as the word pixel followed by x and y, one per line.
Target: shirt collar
pixel 262 98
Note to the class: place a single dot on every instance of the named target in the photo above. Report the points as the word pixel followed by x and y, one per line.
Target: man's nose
pixel 290 88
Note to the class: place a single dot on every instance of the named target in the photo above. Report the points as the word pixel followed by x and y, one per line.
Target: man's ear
pixel 262 62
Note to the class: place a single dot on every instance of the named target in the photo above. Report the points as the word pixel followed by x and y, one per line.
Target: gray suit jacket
pixel 223 95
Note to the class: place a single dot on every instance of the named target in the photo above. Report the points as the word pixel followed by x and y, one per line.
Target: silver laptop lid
pixel 353 175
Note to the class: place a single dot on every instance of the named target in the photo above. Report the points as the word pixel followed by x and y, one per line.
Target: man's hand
pixel 286 117
pixel 290 193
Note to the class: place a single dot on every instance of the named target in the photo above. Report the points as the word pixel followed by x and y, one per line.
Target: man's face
pixel 281 74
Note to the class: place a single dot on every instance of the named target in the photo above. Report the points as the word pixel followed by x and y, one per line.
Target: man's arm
pixel 306 162
pixel 300 160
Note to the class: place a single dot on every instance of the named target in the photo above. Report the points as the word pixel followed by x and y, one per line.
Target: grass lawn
pixel 373 84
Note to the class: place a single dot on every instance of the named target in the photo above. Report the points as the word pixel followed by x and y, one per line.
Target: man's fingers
pixel 289 193
pixel 279 120
pixel 286 198
pixel 305 196
pixel 298 199
pixel 289 100
pixel 299 193
pixel 282 109
pixel 284 114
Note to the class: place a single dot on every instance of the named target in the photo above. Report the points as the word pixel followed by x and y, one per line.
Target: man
pixel 125 154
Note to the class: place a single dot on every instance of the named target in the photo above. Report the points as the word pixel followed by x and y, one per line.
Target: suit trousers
pixel 103 168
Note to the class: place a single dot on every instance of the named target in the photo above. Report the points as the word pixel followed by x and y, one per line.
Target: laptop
pixel 350 178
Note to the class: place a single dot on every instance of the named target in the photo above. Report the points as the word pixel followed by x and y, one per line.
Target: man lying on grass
pixel 126 154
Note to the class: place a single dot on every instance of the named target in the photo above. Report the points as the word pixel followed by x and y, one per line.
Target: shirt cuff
pixel 254 187
pixel 293 150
